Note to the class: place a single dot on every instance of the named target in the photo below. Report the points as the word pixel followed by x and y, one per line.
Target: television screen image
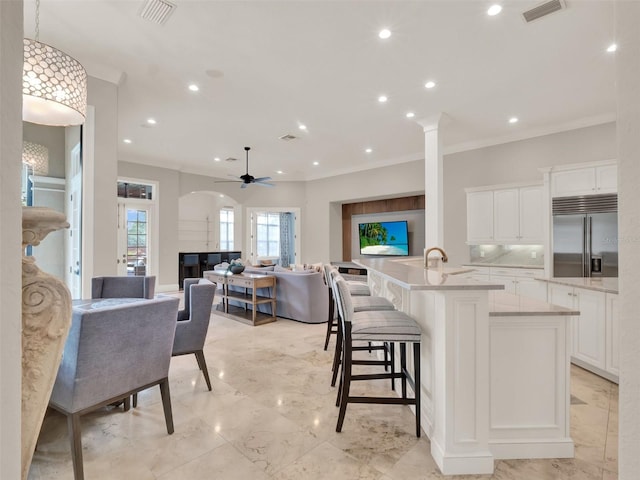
pixel 384 238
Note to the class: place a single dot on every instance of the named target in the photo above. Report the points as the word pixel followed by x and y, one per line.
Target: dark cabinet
pixel 192 264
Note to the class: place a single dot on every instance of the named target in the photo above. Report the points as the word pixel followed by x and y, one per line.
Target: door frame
pixel 153 228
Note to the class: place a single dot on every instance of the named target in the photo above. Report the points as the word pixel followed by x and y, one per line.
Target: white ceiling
pixel 264 67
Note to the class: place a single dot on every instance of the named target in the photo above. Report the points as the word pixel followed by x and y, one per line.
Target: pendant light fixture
pixel 36 156
pixel 54 85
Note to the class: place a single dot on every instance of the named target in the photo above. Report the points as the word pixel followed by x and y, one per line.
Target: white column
pixel 11 57
pixel 433 182
pixel 628 125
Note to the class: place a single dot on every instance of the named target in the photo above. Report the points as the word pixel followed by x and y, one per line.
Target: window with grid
pixel 226 229
pixel 268 234
pixel 136 241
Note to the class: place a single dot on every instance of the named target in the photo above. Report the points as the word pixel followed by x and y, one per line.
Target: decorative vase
pixel 236 269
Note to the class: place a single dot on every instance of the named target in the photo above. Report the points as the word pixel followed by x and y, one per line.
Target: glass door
pixel 133 238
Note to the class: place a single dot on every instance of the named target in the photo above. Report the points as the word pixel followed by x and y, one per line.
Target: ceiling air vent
pixel 230 159
pixel 157 11
pixel 543 9
pixel 288 137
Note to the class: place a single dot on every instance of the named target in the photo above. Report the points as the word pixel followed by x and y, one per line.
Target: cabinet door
pixel 532 288
pixel 613 334
pixel 506 225
pixel 564 297
pixel 590 328
pixel 607 179
pixel 532 215
pixel 508 282
pixel 573 182
pixel 479 217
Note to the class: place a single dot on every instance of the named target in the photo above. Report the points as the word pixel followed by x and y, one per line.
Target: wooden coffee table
pixel 250 283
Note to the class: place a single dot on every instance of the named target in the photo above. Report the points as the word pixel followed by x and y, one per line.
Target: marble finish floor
pixel 271 415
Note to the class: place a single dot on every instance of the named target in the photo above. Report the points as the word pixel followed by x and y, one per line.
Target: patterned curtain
pixel 286 238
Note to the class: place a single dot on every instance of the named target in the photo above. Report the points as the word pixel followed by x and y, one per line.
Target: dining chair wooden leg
pixel 166 404
pixel 75 439
pixel 203 366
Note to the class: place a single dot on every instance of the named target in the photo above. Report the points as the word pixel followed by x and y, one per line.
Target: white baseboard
pixel 518 449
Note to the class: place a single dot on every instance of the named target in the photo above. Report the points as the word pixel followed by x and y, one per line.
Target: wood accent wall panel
pixel 415 202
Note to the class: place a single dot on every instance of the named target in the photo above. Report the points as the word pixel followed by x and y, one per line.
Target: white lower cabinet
pixel 613 334
pixel 594 333
pixel 521 281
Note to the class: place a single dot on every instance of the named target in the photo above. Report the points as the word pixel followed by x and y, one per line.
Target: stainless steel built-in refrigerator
pixel 585 236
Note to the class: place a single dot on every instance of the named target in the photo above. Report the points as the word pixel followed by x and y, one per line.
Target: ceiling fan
pixel 247 179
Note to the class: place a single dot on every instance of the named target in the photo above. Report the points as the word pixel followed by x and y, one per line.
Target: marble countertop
pixel 503 304
pixel 477 264
pixel 599 284
pixel 409 273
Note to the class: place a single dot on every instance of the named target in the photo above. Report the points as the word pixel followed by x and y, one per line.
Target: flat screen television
pixel 384 238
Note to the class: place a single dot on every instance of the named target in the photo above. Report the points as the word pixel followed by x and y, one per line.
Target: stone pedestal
pixel 46 319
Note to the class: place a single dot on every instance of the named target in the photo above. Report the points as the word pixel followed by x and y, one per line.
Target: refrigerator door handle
pixel 585 246
pixel 587 240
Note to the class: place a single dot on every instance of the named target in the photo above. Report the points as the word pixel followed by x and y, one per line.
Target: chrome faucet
pixel 444 257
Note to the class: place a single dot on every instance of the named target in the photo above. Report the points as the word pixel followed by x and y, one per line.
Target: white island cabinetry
pixel 479 351
pixel 595 332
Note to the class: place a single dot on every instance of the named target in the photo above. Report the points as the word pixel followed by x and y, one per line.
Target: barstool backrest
pixel 343 299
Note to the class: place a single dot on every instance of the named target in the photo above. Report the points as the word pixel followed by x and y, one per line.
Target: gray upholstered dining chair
pixel 193 321
pixel 123 287
pixel 115 348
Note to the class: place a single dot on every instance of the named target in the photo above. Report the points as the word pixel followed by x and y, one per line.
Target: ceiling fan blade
pixel 244 185
pixel 261 179
pixel 234 176
pixel 265 184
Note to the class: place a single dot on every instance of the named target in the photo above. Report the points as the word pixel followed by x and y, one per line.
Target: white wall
pixel 104 97
pixel 513 162
pixel 628 95
pixel 53 139
pixel 11 22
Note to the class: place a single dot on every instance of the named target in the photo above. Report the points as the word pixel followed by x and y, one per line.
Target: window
pixel 136 242
pixel 134 190
pixel 226 229
pixel 268 234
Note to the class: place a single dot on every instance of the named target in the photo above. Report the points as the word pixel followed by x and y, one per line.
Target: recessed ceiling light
pixel 221 196
pixel 316 163
pixel 279 172
pixel 193 87
pixel 612 48
pixel 430 84
pixel 127 140
pixel 302 127
pixel 216 159
pixel 384 33
pixel 410 114
pixel 494 10
pixel 151 121
pixel 513 120
pixel 382 98
pixel 368 150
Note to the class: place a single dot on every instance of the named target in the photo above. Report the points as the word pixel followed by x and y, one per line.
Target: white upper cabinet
pixel 585 181
pixel 506 224
pixel 480 217
pixel 506 215
pixel 532 215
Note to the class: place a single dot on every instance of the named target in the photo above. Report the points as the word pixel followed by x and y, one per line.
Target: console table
pixel 250 282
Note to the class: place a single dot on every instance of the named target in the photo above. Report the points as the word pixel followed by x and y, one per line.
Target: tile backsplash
pixel 524 255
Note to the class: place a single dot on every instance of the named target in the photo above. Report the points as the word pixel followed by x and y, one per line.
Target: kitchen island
pixel 495 368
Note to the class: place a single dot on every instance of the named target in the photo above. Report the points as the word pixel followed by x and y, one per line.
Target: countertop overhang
pixel 599 284
pixel 409 273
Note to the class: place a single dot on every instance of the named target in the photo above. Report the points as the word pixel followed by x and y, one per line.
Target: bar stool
pixel 361 304
pixel 376 326
pixel 355 288
pixel 190 266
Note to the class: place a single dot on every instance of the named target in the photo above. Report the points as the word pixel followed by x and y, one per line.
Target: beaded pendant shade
pixel 54 84
pixel 36 156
